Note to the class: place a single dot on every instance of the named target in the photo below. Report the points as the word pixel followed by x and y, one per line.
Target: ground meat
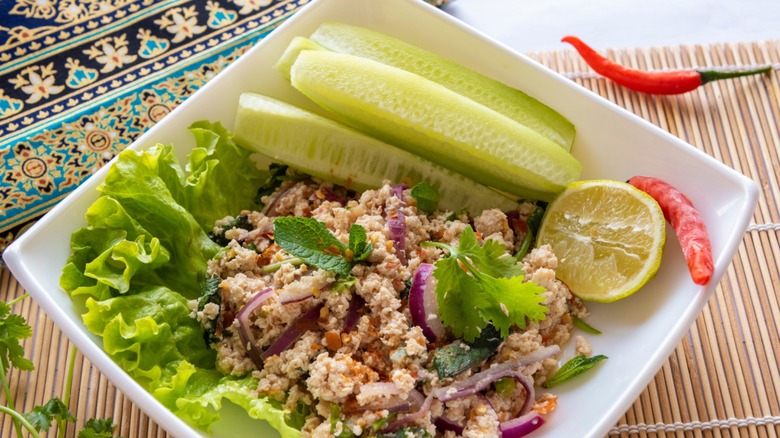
pixel 334 378
pixel 325 368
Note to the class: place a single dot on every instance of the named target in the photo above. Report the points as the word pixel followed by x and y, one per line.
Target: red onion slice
pixel 293 332
pixel 423 304
pixel 357 306
pixel 244 330
pixel 444 424
pixel 482 380
pixel 426 406
pixel 396 223
pixel 521 426
pixel 269 209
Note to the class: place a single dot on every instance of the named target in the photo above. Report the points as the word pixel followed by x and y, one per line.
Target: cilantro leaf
pixel 459 297
pixel 41 417
pixel 426 196
pixel 512 301
pixel 572 368
pixel 477 285
pixel 311 241
pixel 490 257
pixel 13 328
pixel 358 243
pixel 98 428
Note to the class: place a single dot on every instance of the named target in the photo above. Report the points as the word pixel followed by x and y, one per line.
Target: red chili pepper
pixel 686 222
pixel 658 82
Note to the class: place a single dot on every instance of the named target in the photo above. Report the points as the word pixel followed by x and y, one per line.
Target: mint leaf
pixel 455 358
pixel 358 243
pixel 13 328
pixel 574 367
pixel 311 241
pixel 426 196
pixel 98 428
pixel 41 417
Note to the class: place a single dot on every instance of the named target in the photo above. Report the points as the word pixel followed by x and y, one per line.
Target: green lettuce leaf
pixel 215 164
pixel 109 252
pixel 196 396
pixel 145 331
pixel 144 253
pixel 147 188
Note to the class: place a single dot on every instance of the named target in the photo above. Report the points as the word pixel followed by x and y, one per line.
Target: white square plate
pixel 639 333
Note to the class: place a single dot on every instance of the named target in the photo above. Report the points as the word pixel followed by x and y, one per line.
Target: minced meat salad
pixel 357 346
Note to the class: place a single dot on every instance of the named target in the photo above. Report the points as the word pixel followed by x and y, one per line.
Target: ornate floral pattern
pixel 72 98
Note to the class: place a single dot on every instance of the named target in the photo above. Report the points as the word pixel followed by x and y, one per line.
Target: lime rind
pixel 584 226
pixel 511 102
pixel 436 123
pixel 334 152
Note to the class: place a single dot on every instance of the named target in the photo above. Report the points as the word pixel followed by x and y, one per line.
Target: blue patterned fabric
pixel 81 79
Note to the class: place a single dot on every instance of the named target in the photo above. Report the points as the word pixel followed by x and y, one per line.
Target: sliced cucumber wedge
pixel 295 47
pixel 340 154
pixel 436 123
pixel 513 103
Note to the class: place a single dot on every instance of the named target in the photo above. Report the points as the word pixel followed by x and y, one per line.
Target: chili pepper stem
pixel 714 75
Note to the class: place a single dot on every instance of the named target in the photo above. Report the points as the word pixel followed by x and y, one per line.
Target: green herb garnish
pixel 241 221
pixel 13 329
pixel 426 196
pixel 210 295
pixel 277 174
pixel 42 417
pixel 574 367
pixel 582 325
pixel 98 428
pixel 455 358
pixel 311 241
pixel 479 285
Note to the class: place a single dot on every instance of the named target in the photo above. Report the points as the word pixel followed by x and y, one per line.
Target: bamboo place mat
pixel 722 379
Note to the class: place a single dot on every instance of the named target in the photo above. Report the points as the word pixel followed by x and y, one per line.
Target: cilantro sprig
pixel 13 330
pixel 481 285
pixel 311 241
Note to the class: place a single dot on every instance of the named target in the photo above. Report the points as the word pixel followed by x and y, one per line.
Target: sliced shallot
pixel 424 305
pixel 244 325
pixel 357 306
pixel 521 426
pixel 293 332
pixel 481 381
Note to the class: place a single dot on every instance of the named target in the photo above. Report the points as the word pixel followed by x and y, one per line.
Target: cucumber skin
pixel 303 140
pixel 511 102
pixel 328 78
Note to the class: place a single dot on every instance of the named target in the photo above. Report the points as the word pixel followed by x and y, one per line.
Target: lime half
pixel 608 237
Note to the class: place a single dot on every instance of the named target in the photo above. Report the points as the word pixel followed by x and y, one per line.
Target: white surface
pixel 533 25
pixel 639 332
